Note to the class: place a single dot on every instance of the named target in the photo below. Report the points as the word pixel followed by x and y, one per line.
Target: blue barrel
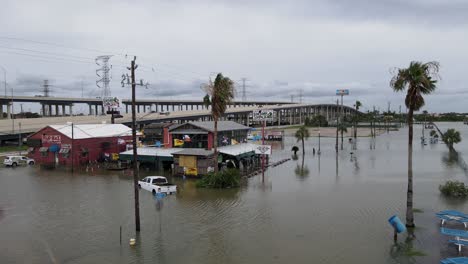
pixel 397 224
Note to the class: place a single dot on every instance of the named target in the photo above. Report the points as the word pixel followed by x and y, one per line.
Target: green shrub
pixel 454 189
pixel 229 178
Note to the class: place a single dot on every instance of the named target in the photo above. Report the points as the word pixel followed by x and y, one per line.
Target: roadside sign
pixel 263 115
pixel 342 92
pixel 263 149
pixel 111 103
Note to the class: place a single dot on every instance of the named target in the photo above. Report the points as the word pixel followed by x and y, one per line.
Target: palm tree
pixel 221 93
pixel 342 127
pixel 418 79
pixel 302 134
pixel 450 137
pixel 356 105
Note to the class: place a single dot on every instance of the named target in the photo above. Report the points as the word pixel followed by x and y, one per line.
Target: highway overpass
pixel 285 114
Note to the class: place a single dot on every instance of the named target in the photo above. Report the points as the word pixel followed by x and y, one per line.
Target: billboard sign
pixel 111 103
pixel 263 115
pixel 263 149
pixel 342 92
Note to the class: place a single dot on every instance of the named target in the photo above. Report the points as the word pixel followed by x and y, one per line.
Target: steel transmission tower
pixel 244 92
pixel 103 73
pixel 46 89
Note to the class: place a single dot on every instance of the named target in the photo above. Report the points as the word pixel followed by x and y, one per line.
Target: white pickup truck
pixel 157 184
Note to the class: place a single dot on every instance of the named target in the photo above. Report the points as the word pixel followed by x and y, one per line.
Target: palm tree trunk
pixel 303 149
pixel 215 143
pixel 341 139
pixel 409 194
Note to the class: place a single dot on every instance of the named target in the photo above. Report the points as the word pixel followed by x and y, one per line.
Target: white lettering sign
pixel 263 149
pixel 263 115
pixel 51 139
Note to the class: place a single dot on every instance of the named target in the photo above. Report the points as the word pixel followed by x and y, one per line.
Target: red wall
pixel 94 145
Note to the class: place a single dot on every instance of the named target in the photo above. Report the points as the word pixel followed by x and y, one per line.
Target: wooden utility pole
pixel 134 141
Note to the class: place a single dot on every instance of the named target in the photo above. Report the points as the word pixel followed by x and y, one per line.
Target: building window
pixel 65 152
pixel 44 151
pixel 84 152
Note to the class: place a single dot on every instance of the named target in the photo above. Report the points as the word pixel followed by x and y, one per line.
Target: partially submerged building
pixel 188 148
pixel 78 144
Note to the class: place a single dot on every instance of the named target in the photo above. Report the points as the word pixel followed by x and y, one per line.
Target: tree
pixel 418 79
pixel 221 92
pixel 450 137
pixel 302 134
pixel 356 106
pixel 433 133
pixel 343 128
pixel 206 101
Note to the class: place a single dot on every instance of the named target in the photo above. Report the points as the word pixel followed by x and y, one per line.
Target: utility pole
pixel 131 81
pixel 337 125
pixel 135 158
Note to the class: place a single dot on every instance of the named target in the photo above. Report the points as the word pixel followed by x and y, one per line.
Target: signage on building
pixel 263 115
pixel 51 139
pixel 342 92
pixel 263 149
pixel 111 103
pixel 66 146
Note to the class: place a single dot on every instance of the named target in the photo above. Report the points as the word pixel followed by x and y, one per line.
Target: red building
pixel 80 144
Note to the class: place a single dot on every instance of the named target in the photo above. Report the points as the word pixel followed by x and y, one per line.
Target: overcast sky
pixel 281 47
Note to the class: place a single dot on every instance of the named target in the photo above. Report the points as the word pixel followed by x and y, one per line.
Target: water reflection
pixel 301 171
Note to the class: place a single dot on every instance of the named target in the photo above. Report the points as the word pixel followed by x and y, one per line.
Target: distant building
pixel 80 144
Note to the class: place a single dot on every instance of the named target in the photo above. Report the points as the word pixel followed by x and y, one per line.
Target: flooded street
pixel 333 209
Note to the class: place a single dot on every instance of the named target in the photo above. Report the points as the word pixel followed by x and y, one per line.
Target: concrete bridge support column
pixel 138 108
pixel 290 116
pixel 278 116
pixel 126 108
pixel 50 110
pixel 95 110
pixel 173 108
pixel 90 109
pixel 63 110
pixel 1 111
pixel 103 111
pixel 71 110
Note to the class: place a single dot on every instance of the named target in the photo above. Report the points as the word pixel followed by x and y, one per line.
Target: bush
pixel 223 179
pixel 454 189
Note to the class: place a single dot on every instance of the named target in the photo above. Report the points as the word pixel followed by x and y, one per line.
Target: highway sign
pixel 263 115
pixel 342 92
pixel 111 103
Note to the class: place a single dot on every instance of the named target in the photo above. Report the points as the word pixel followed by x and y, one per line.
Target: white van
pixel 17 160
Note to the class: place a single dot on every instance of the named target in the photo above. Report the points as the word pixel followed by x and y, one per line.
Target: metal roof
pixel 194 152
pixel 93 131
pixel 238 149
pixel 209 126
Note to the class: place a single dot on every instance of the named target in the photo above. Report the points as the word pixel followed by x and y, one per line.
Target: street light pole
pixel 4 79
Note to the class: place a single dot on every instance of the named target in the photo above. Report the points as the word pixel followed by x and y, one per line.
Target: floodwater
pixel 333 209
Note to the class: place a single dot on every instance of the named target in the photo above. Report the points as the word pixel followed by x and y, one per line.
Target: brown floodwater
pixel 326 209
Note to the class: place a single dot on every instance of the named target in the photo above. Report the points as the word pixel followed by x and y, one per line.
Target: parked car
pixel 157 184
pixel 164 113
pixel 18 160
